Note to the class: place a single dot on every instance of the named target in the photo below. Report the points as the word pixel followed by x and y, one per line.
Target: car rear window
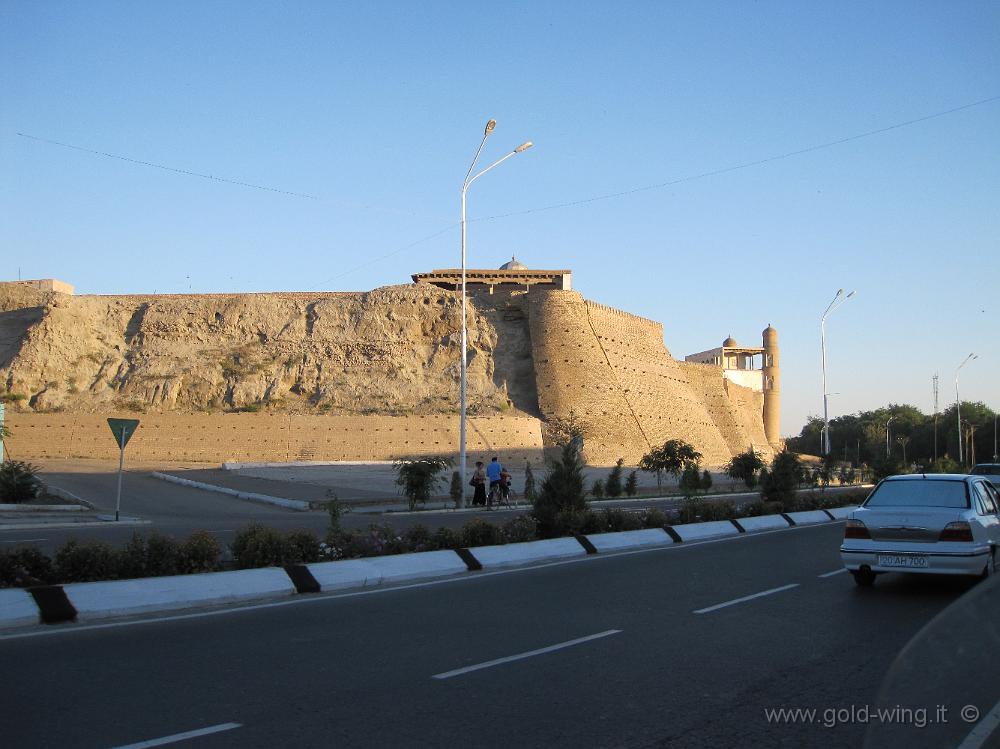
pixel 986 470
pixel 919 494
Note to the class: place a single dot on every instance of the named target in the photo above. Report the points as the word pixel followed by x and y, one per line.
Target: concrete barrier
pixel 291 504
pixel 126 597
pixel 809 517
pixel 346 573
pixel 711 529
pixel 510 555
pixel 841 513
pixel 763 523
pixel 17 608
pixel 629 539
pixel 422 565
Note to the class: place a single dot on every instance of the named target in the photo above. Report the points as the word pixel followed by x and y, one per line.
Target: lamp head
pixel 524 146
pixel 489 127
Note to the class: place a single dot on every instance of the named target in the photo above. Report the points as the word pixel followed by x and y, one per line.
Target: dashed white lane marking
pixel 529 654
pixel 735 601
pixel 983 730
pixel 835 572
pixel 173 739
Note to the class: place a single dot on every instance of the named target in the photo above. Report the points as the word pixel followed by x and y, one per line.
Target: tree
pixel 19 481
pixel 690 482
pixel 780 483
pixel 597 490
pixel 562 491
pixel 672 458
pixel 745 467
pixel 706 481
pixel 529 483
pixel 455 490
pixel 632 484
pixel 419 478
pixel 613 486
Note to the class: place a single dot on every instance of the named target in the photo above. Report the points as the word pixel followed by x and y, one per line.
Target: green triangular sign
pixel 123 429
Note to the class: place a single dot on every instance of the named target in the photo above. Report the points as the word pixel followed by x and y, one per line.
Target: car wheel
pixel 864 577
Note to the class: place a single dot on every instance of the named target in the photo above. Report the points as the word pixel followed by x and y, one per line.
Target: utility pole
pixel 935 381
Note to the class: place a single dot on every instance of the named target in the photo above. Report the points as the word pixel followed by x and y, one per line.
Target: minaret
pixel 772 388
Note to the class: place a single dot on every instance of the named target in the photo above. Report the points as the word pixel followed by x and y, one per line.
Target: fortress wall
pixel 656 387
pixel 575 379
pixel 215 438
pixel 736 411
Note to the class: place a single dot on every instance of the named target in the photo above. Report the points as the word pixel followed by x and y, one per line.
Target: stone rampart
pixel 215 438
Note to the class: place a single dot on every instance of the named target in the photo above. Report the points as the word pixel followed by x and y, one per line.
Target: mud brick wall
pixel 215 438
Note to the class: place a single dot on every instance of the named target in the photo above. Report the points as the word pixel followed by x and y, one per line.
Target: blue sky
pixel 376 109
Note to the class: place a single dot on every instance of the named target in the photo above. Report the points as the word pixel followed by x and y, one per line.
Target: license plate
pixel 899 560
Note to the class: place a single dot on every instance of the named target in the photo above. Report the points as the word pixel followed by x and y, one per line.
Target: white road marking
pixel 984 728
pixel 23 540
pixel 65 629
pixel 522 656
pixel 835 572
pixel 173 739
pixel 735 601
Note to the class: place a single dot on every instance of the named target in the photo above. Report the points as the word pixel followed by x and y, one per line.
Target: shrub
pixel 163 556
pixel 613 486
pixel 455 490
pixel 589 521
pixel 446 538
pixel 780 483
pixel 419 478
pixel 718 511
pixel 303 548
pixel 632 484
pixel 85 562
pixel 519 529
pixel 529 484
pixel 616 520
pixel 477 532
pixel 597 490
pixel 200 552
pixel 25 566
pixel 418 538
pixel 752 509
pixel 336 510
pixel 257 546
pixel 18 481
pixel 672 458
pixel 690 483
pixel 653 518
pixel 706 481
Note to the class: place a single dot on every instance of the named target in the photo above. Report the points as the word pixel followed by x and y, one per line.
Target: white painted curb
pixel 711 529
pixel 763 523
pixel 55 491
pixel 510 555
pixel 364 573
pixel 124 597
pixel 842 513
pixel 629 539
pixel 17 608
pixel 291 504
pixel 41 508
pixel 230 465
pixel 809 517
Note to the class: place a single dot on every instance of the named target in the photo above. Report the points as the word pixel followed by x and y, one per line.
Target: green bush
pixel 257 546
pixel 654 518
pixel 745 467
pixel 85 562
pixel 519 529
pixel 163 556
pixel 25 566
pixel 562 493
pixel 590 521
pixel 690 483
pixel 419 478
pixel 613 486
pixel 529 484
pixel 200 552
pixel 706 481
pixel 617 520
pixel 303 548
pixel 446 538
pixel 455 490
pixel 18 481
pixel 781 482
pixel 477 532
pixel 597 490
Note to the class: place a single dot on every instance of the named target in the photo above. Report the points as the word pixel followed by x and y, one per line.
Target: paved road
pixel 360 670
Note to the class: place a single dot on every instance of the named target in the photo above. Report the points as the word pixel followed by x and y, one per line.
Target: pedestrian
pixel 479 483
pixel 493 471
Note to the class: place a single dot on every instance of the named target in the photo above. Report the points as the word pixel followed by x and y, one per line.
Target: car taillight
pixel 856 529
pixel 957 531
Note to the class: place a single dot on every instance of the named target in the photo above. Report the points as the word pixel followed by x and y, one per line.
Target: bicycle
pixel 499 495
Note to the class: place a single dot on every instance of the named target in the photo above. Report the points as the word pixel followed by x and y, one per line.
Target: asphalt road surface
pixel 685 646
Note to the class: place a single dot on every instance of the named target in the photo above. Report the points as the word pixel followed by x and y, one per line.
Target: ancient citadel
pixel 369 376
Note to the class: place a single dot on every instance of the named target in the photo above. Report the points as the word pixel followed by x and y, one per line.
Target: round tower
pixel 772 388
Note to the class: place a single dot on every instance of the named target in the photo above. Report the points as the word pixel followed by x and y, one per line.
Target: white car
pixel 990 471
pixel 945 524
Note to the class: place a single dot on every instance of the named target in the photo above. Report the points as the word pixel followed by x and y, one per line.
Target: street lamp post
pixel 465 332
pixel 825 446
pixel 958 407
pixel 887 433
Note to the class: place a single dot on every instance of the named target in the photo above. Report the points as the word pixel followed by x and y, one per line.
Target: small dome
pixel 513 264
pixel 730 343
